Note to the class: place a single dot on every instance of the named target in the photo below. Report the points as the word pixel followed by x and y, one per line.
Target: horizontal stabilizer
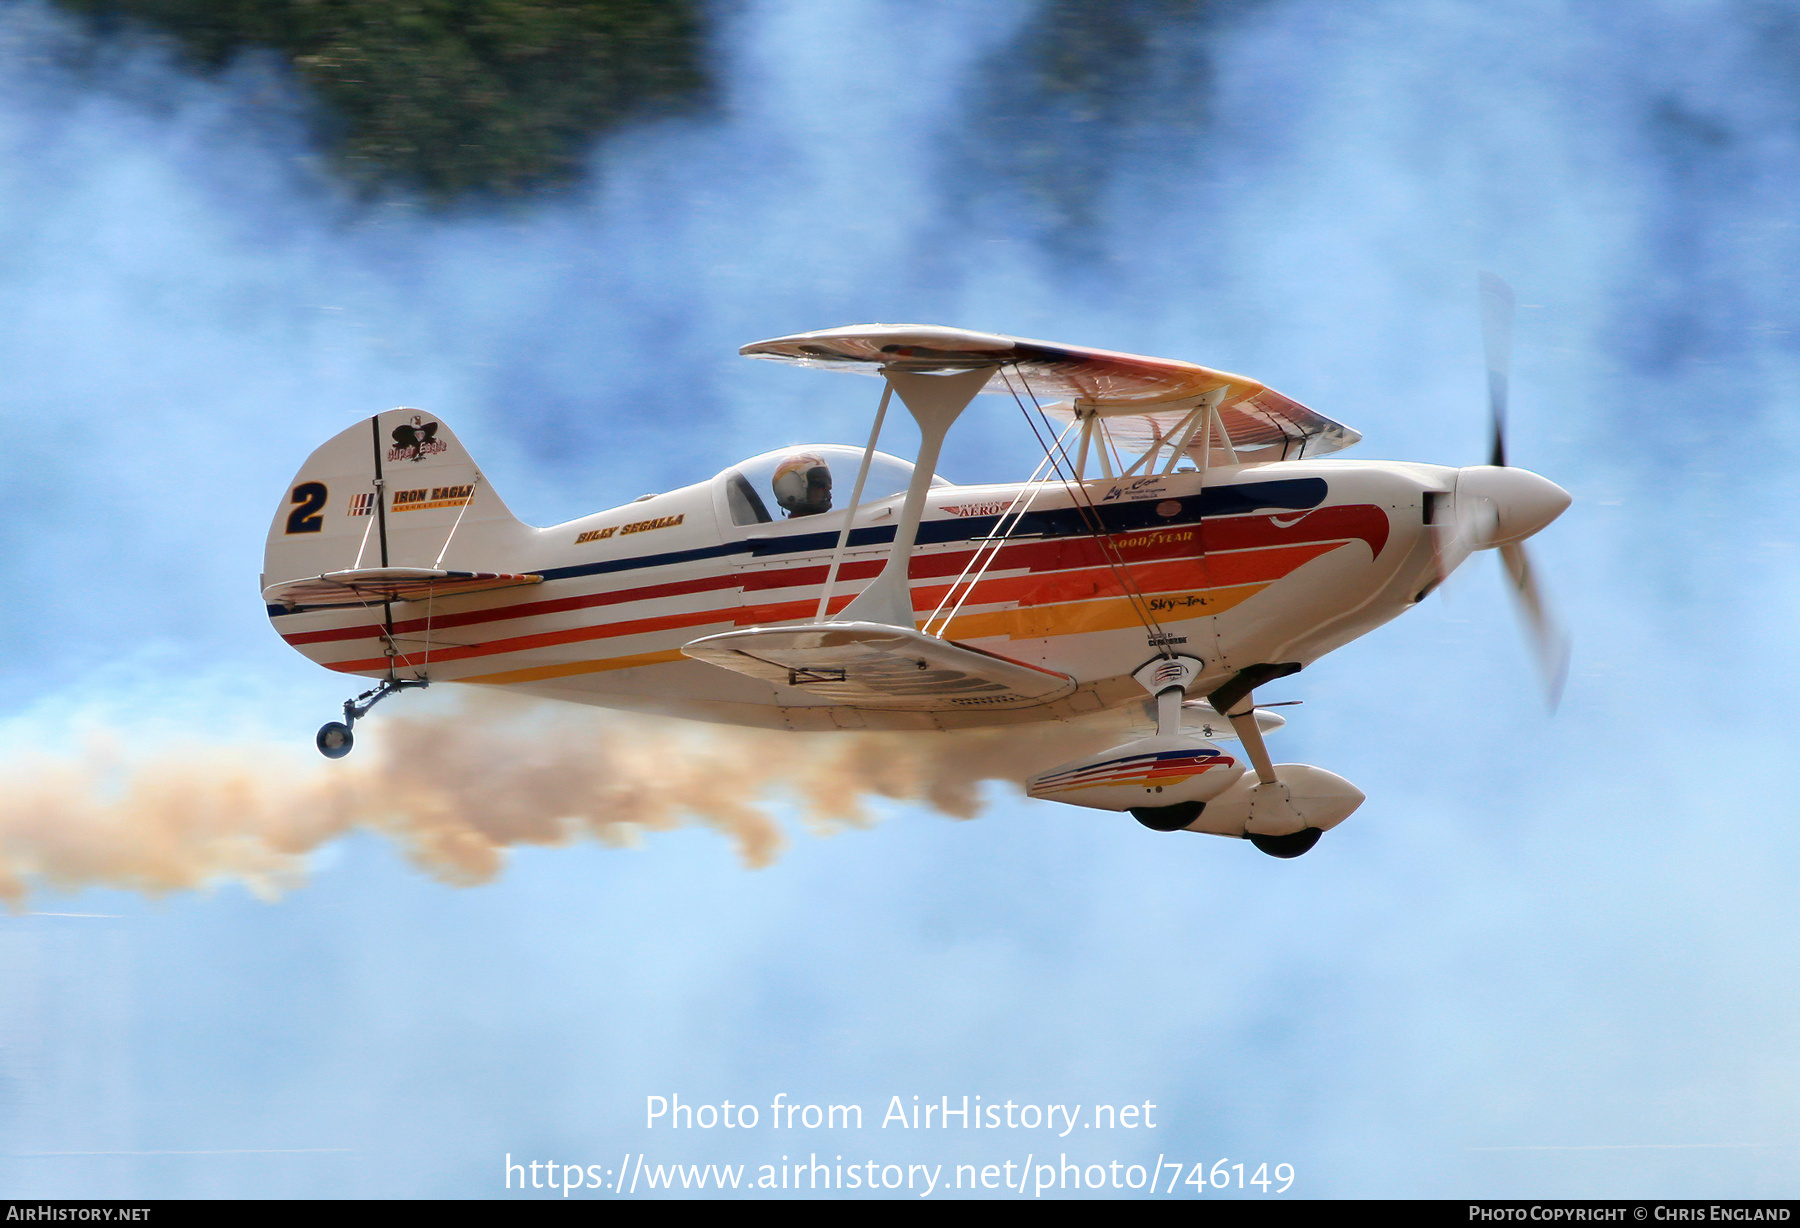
pixel 874 665
pixel 370 585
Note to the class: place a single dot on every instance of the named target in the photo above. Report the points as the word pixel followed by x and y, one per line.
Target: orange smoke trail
pixel 456 789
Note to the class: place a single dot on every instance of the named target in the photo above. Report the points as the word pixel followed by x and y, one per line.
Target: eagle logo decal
pixel 415 440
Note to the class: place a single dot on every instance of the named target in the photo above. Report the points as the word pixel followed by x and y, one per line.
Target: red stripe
pixel 1248 567
pixel 529 609
pixel 1189 765
pixel 814 577
pixel 1362 521
pixel 1079 564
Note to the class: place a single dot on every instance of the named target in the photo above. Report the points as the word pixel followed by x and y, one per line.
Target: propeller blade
pixel 1549 642
pixel 1496 337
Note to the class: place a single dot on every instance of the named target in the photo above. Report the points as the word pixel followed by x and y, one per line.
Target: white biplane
pixel 1179 546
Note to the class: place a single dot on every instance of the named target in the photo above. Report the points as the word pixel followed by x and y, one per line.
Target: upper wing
pixel 873 665
pixel 1145 399
pixel 371 585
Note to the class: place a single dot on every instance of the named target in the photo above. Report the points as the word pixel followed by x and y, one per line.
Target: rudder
pixel 396 490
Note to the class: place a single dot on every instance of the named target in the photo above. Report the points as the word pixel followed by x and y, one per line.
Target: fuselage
pixel 1277 562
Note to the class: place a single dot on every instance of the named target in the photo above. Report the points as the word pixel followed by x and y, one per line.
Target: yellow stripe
pixel 1077 617
pixel 572 668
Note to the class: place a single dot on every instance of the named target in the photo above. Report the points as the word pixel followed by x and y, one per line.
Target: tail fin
pixel 396 491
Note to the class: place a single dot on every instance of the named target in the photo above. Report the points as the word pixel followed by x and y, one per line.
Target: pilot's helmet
pixel 803 484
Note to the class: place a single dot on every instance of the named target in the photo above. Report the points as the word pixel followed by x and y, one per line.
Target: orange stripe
pixel 572 668
pixel 1248 534
pixel 1258 567
pixel 1249 567
pixel 1071 619
pixel 1046 604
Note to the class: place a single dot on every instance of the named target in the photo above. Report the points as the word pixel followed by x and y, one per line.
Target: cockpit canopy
pixel 810 479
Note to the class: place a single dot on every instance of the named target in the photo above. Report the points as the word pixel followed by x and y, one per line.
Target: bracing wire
pixel 467 503
pixel 364 544
pixel 989 549
pixel 1115 558
pixel 430 609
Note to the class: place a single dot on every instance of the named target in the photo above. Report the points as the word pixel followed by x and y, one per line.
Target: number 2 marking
pixel 309 499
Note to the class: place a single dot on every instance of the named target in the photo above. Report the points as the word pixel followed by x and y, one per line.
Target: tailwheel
pixel 334 740
pixel 1291 845
pixel 1168 818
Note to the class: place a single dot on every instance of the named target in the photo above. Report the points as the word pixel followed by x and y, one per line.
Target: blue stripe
pixel 1292 494
pixel 645 560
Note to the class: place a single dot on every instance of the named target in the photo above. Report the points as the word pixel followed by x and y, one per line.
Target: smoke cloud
pixel 457 788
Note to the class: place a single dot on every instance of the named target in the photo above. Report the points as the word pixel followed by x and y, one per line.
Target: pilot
pixel 803 484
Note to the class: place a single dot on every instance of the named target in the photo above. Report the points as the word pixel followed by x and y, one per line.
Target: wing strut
pixel 935 402
pixel 1235 703
pixel 862 475
pixel 1204 418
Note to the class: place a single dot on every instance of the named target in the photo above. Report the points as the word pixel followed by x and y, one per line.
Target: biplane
pixel 1187 539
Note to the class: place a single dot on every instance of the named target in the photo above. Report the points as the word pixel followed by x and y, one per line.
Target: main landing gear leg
pixel 335 739
pixel 1167 678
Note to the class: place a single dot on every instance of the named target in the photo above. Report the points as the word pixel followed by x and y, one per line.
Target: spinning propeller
pixel 1497 506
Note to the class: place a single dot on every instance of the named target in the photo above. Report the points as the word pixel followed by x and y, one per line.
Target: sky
pixel 1551 956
